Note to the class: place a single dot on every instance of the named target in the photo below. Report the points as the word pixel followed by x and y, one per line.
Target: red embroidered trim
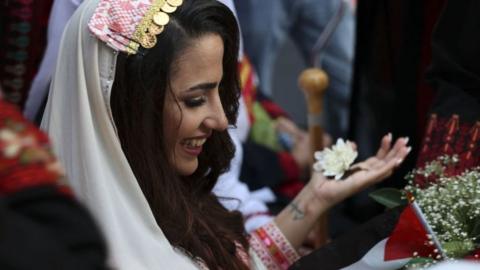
pixel 272 247
pixel 284 245
pixel 450 136
pixel 475 136
pixel 26 159
pixel 263 254
pixel 428 135
pixel 452 128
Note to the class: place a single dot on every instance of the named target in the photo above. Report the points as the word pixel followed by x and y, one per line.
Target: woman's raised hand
pixel 362 174
pixel 299 218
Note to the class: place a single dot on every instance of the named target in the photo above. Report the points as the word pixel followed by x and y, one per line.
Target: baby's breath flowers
pixel 451 205
pixel 335 161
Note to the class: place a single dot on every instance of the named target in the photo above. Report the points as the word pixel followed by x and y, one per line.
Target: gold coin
pixel 168 9
pixel 175 3
pixel 148 41
pixel 161 18
pixel 155 29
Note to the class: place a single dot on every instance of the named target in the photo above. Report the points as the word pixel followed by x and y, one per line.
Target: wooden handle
pixel 314 83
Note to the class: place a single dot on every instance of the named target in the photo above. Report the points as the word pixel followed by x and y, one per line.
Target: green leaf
pixel 389 197
pixel 419 263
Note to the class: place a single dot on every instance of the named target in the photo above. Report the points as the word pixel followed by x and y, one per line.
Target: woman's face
pixel 195 110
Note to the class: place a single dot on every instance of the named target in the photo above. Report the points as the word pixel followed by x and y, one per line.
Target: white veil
pixel 79 122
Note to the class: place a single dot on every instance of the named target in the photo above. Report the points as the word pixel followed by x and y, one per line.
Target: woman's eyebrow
pixel 204 86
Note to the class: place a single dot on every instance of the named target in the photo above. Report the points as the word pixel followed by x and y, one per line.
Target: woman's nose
pixel 217 119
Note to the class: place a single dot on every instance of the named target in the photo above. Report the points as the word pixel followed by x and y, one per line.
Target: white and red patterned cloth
pixel 272 248
pixel 115 22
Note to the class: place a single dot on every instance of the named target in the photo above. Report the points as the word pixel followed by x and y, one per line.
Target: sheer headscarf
pixel 80 124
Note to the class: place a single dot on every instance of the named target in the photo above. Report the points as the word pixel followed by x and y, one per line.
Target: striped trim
pixel 272 247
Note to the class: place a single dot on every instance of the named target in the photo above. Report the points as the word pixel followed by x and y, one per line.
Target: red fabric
pixel 31 162
pixel 475 256
pixel 292 185
pixel 66 191
pixel 448 136
pixel 408 237
pixel 289 166
pixel 23 177
pixel 273 109
pixel 249 90
pixel 291 189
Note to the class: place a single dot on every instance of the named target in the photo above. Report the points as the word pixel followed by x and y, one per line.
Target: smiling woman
pixel 194 102
pixel 172 127
pixel 140 126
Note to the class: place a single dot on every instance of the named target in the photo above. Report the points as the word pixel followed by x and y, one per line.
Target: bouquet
pixel 446 205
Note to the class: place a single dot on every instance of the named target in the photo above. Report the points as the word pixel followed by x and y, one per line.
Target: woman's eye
pixel 195 102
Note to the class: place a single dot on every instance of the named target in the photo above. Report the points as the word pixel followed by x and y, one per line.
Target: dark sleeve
pixel 41 225
pixel 42 228
pixel 262 168
pixel 352 246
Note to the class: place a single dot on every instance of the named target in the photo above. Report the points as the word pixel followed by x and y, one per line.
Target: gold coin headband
pixel 127 24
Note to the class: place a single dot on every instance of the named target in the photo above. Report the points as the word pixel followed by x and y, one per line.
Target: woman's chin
pixel 188 168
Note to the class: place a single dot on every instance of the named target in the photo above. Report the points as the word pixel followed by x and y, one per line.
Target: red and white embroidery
pixel 26 159
pixel 115 21
pixel 272 247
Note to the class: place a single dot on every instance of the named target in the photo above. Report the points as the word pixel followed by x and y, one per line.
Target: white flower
pixel 335 161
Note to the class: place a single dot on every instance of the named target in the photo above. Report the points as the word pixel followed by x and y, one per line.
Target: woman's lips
pixel 194 151
pixel 193 146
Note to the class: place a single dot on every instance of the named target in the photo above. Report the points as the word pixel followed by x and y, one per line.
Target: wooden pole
pixel 314 82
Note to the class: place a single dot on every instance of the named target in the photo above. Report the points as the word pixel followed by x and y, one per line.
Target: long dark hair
pixel 185 208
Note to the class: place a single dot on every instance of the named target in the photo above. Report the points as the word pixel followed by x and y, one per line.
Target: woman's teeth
pixel 195 142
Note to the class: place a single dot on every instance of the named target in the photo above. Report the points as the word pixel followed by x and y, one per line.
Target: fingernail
pixel 399 161
pixel 409 149
pixel 389 136
pixel 406 139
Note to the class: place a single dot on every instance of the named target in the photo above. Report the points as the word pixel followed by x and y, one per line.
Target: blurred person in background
pixel 23 27
pixel 42 225
pixel 267 24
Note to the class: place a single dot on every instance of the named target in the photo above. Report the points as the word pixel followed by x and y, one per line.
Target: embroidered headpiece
pixel 127 24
